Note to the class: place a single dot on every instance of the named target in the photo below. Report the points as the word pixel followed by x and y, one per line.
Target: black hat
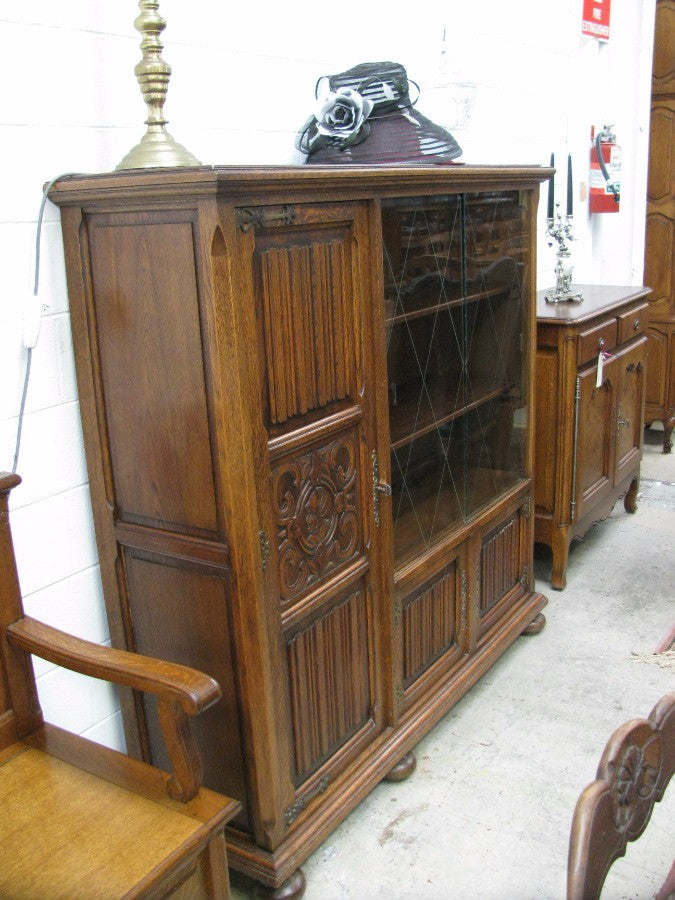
pixel 365 115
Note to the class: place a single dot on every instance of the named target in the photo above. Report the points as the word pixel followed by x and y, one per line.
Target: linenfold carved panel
pixel 429 625
pixel 500 564
pixel 308 351
pixel 315 504
pixel 328 675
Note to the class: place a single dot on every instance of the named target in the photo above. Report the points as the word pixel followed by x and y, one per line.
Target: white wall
pixel 513 82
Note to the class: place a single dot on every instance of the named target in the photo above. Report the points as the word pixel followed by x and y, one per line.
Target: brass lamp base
pixel 157 149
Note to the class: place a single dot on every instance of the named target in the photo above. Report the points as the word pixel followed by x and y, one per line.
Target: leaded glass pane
pixel 453 272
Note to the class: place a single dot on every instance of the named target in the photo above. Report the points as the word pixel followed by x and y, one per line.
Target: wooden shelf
pixel 437 400
pixel 447 304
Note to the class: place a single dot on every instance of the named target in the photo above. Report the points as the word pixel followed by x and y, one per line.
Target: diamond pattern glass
pixel 454 270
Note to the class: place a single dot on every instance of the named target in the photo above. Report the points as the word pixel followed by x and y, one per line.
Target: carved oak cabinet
pixel 307 405
pixel 591 376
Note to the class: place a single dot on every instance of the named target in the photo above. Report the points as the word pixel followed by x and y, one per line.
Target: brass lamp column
pixel 156 148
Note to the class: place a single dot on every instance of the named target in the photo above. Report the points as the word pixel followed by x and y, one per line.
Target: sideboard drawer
pixel 600 337
pixel 633 322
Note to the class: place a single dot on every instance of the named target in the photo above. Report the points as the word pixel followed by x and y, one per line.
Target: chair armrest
pixel 192 690
pixel 180 690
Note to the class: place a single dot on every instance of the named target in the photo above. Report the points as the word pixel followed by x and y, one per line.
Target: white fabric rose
pixel 342 114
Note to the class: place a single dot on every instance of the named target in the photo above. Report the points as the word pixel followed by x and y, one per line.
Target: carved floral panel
pixel 315 500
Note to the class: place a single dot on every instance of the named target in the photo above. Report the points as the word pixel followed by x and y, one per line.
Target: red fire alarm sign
pixel 596 19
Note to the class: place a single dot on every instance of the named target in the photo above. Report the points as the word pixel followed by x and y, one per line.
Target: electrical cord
pixel 36 282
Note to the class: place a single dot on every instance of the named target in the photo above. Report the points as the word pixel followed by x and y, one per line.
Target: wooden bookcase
pixel 307 403
pixel 588 423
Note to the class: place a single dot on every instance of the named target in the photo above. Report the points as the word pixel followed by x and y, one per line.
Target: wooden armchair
pixel 638 763
pixel 78 819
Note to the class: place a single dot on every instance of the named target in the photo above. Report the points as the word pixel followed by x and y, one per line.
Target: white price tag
pixel 601 363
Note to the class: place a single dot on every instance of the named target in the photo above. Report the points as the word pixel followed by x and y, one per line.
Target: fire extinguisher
pixel 605 176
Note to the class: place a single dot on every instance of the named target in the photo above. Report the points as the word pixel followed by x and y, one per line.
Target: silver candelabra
pixel 560 230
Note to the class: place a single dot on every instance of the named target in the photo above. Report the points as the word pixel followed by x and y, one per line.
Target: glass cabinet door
pixel 454 314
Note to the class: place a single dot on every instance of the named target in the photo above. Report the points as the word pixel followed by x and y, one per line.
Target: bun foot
pixel 403 768
pixel 292 889
pixel 536 626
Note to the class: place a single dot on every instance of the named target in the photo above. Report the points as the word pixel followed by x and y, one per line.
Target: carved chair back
pixel 638 763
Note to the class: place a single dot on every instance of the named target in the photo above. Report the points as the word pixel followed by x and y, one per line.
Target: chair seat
pixel 94 839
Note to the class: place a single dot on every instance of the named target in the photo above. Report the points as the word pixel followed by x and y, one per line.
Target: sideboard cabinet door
pixel 309 284
pixel 630 404
pixel 595 451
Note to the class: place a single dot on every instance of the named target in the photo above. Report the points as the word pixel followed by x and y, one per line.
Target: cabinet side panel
pixel 546 435
pixel 181 616
pixel 659 263
pixel 154 394
pixel 657 354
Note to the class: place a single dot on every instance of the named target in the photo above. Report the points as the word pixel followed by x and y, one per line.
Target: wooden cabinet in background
pixel 306 398
pixel 589 414
pixel 660 229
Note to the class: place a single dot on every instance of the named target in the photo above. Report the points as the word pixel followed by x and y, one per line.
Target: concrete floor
pixel 487 813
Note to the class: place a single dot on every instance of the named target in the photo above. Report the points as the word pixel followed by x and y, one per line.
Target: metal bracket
pixel 620 421
pixel 265 550
pixel 379 487
pixel 397 613
pixel 462 614
pixel 294 811
pixel 248 217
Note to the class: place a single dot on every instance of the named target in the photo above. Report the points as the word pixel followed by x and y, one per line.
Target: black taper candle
pixel 569 184
pixel 549 211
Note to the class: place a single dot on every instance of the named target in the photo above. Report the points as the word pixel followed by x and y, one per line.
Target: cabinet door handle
pixel 636 324
pixel 379 487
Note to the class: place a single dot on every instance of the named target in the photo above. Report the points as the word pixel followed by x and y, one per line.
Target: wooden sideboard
pixel 306 398
pixel 589 414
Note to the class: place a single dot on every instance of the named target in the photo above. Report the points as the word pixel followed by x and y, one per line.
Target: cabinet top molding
pixel 232 182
